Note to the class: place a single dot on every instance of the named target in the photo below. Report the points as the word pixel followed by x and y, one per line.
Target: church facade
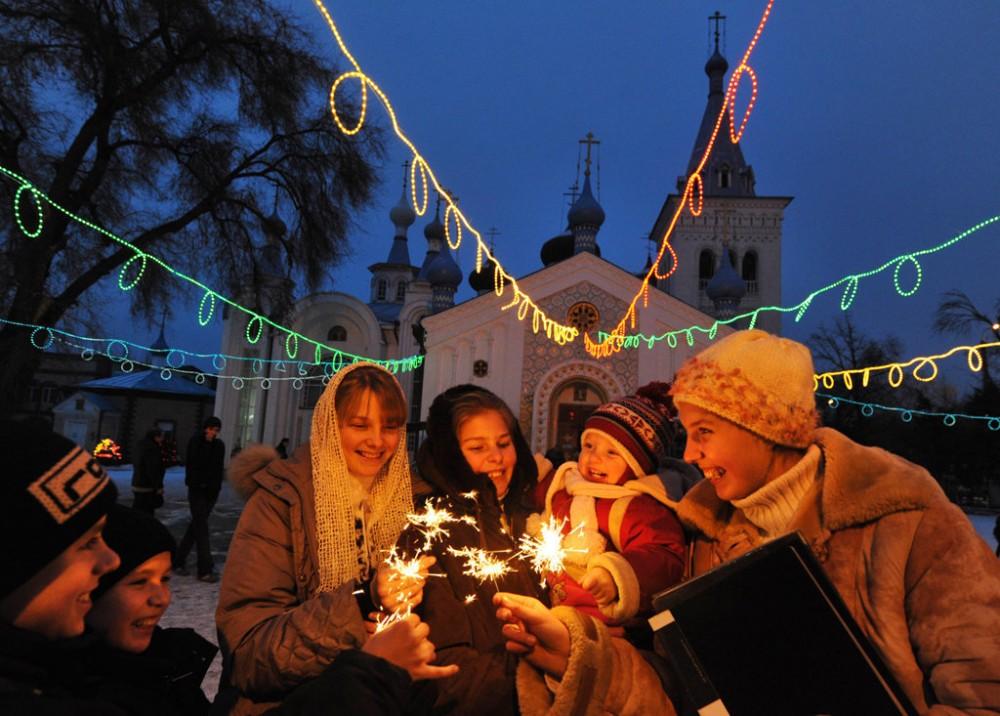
pixel 729 262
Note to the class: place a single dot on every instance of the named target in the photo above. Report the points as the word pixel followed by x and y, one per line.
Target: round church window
pixel 583 316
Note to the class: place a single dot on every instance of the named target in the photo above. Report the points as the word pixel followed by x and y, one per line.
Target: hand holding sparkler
pixel 399 583
pixel 405 643
pixel 533 632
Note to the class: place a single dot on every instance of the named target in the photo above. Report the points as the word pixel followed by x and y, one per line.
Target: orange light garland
pixel 693 198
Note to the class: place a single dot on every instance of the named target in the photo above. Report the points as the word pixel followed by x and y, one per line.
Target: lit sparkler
pixel 384 620
pixel 431 523
pixel 470 598
pixel 546 552
pixel 480 564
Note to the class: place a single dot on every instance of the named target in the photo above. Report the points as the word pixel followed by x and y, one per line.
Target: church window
pixel 725 177
pixel 706 268
pixel 749 271
pixel 380 289
pixel 583 316
pixel 337 333
pixel 401 291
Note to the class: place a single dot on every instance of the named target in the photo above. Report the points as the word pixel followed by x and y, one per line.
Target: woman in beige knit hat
pixel 918 580
pixel 303 571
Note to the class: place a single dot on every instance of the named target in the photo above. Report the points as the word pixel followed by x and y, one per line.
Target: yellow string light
pixel 422 175
pixel 925 368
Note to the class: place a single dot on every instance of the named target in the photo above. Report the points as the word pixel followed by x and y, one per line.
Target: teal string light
pixel 906 414
pixel 127 281
pixel 118 350
pixel 849 292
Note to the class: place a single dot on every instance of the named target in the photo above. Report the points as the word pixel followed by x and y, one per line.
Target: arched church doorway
pixel 572 403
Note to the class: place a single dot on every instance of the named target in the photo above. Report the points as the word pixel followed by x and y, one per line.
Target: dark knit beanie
pixel 136 536
pixel 51 492
pixel 641 424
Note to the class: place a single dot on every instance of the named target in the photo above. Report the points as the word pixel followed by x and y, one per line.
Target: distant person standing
pixel 205 458
pixel 147 473
pixel 282 449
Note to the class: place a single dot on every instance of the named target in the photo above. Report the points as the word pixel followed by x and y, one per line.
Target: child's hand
pixel 599 582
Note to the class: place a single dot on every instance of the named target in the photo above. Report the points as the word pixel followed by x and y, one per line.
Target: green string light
pixel 850 292
pixel 394 365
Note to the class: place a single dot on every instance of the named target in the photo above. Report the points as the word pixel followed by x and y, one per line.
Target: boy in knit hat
pixel 623 541
pixel 54 497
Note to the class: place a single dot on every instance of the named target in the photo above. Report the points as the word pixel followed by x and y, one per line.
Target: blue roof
pixel 149 381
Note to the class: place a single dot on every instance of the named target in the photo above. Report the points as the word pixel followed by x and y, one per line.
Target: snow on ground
pixel 194 602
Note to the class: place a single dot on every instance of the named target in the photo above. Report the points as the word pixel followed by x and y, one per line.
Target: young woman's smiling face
pixel 734 460
pixel 488 447
pixel 368 436
pixel 126 615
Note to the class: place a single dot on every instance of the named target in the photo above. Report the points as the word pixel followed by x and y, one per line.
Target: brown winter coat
pixel 921 584
pixel 286 634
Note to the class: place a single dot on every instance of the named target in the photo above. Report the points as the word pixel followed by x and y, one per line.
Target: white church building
pixel 551 388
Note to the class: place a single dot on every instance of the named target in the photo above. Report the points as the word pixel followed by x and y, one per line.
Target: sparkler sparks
pixel 384 620
pixel 546 552
pixel 481 565
pixel 470 598
pixel 431 523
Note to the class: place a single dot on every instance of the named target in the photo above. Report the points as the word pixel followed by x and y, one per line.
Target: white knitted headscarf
pixel 391 495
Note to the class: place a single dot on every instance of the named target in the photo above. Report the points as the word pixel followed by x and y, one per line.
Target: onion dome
pixel 586 211
pixel 726 284
pixel 482 280
pixel 717 64
pixel 402 215
pixel 435 229
pixel 443 271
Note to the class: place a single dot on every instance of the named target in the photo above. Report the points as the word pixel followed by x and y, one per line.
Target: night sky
pixel 880 119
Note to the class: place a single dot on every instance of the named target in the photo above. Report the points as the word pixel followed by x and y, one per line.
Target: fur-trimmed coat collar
pixel 857 484
pixel 259 465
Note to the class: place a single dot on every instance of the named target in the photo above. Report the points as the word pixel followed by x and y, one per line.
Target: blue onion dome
pixel 443 271
pixel 402 215
pixel 726 283
pixel 716 64
pixel 586 211
pixel 435 229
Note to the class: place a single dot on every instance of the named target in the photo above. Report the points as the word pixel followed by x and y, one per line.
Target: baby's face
pixel 600 459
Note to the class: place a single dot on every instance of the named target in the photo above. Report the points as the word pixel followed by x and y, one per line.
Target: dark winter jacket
pixel 38 677
pixel 204 462
pixel 164 680
pixel 457 607
pixel 148 470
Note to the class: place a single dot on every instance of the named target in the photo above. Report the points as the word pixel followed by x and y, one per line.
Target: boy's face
pixel 600 459
pixel 54 601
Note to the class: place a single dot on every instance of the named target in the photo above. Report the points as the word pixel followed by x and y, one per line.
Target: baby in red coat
pixel 623 541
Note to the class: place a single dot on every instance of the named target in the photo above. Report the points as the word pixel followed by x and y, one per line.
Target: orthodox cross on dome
pixel 717 18
pixel 590 141
pixel 573 193
pixel 493 232
pixel 449 194
pixel 406 174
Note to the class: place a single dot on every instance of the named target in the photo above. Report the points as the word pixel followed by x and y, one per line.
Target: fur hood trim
pixel 859 484
pixel 246 463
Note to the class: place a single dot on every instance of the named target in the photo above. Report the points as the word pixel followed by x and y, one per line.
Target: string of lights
pixel 849 294
pixel 134 268
pixel 907 414
pixel 422 176
pixel 925 368
pixel 693 198
pixel 118 351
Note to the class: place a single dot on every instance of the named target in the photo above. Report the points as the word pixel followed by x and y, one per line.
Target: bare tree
pixel 958 315
pixel 180 125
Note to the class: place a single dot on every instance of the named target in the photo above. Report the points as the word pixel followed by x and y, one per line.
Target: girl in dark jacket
pixel 477 464
pixel 137 665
